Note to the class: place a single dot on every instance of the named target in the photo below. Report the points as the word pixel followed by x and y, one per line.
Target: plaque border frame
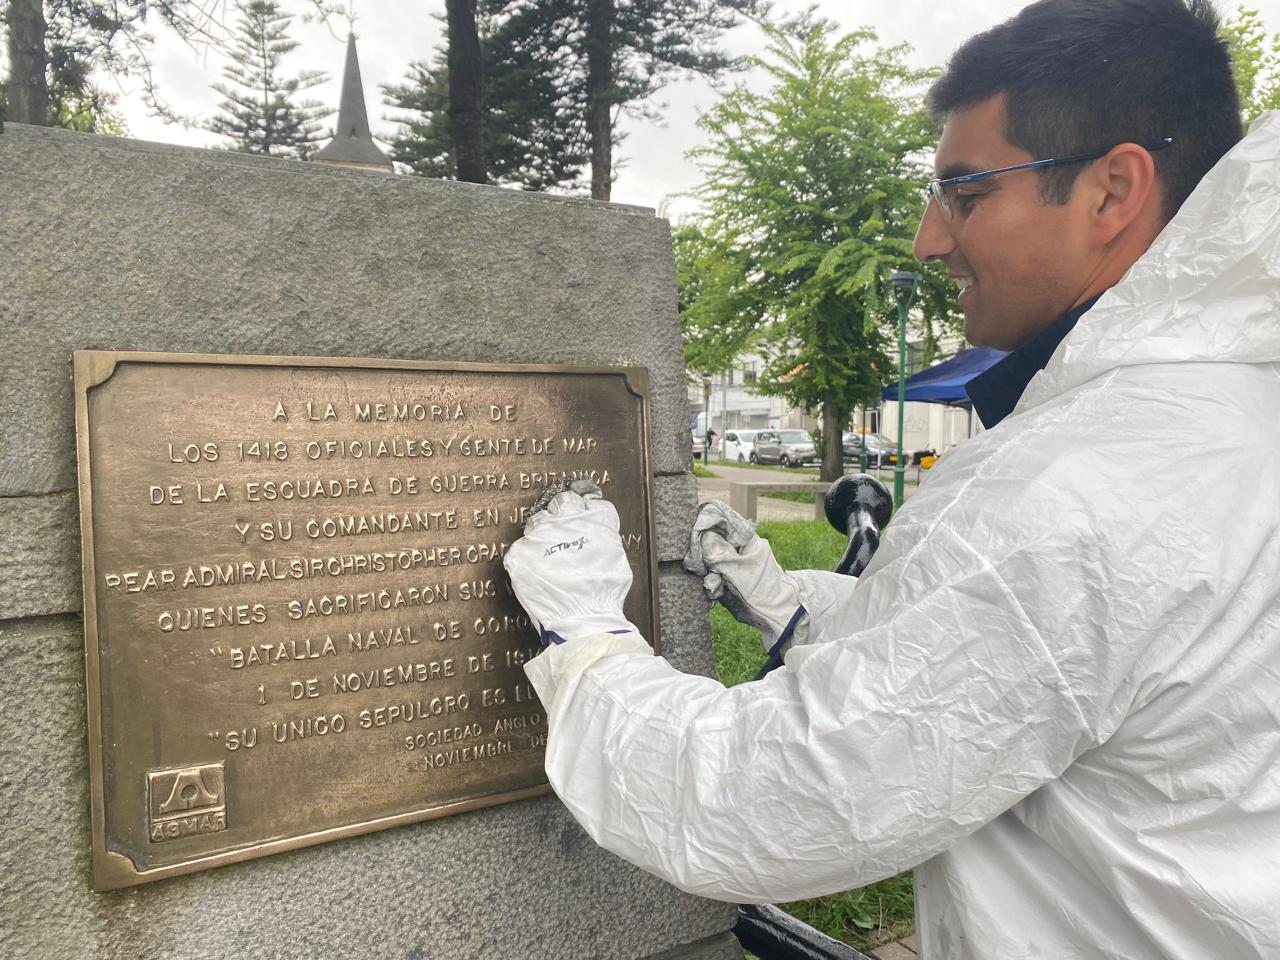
pixel 113 870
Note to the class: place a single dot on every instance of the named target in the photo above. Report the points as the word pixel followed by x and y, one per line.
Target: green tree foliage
pixel 55 47
pixel 1257 63
pixel 813 191
pixel 556 76
pixel 532 132
pixel 712 281
pixel 260 112
pixel 90 110
pixel 82 37
pixel 630 49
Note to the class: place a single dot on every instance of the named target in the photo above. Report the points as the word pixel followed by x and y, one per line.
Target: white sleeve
pixel 823 594
pixel 860 758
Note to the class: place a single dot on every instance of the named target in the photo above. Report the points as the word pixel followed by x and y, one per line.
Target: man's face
pixel 1018 262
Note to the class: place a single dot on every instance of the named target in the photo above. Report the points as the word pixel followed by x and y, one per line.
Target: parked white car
pixel 738 445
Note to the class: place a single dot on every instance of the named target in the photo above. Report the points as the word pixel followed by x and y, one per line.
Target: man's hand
pixel 569 570
pixel 738 569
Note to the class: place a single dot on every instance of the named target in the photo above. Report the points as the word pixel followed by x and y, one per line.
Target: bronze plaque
pixel 297 624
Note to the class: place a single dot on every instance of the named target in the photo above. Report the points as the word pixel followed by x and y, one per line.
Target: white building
pixel 932 426
pixel 733 406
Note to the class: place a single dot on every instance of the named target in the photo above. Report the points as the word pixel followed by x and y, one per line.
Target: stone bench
pixel 743 495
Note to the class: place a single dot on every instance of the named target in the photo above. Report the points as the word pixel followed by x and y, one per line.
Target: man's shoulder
pixel 1092 454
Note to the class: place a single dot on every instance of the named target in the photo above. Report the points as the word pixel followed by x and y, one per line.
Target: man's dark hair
pixel 1082 75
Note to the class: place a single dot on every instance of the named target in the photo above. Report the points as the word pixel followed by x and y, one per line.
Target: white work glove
pixel 738 570
pixel 569 570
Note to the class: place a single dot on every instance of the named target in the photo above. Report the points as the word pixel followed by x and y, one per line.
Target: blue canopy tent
pixel 945 382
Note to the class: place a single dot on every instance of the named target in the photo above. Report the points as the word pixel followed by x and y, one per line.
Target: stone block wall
pixel 116 244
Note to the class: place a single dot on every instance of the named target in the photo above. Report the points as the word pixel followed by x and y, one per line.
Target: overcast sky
pixel 392 33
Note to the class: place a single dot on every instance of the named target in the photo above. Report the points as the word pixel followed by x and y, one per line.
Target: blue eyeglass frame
pixel 936 190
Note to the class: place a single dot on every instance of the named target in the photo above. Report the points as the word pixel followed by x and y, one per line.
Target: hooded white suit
pixel 1057 687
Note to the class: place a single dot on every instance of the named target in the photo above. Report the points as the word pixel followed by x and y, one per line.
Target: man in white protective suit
pixel 1055 691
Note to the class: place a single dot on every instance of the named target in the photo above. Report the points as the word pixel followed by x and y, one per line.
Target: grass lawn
pixel 862 918
pixel 700 471
pixel 798 496
pixel 793 496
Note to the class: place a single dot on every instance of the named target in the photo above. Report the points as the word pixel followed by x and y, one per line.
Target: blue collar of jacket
pixel 996 391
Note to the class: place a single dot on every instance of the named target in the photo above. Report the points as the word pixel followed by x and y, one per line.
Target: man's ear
pixel 1121 192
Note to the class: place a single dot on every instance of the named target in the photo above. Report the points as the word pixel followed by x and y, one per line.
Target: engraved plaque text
pixel 297 623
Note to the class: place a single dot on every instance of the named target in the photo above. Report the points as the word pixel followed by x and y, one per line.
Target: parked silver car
pixel 790 448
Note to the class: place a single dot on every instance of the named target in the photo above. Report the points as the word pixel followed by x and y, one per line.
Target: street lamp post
pixel 904 283
pixel 706 418
pixel 862 443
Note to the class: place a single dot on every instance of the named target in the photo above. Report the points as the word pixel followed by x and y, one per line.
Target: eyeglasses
pixel 943 191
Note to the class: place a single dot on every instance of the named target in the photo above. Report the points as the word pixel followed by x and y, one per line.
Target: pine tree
pixel 260 113
pixel 55 46
pixel 532 132
pixel 466 90
pixel 621 52
pixel 556 75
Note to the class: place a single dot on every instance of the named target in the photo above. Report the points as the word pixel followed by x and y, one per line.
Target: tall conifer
pixel 57 47
pixel 531 129
pixel 261 113
pixel 556 75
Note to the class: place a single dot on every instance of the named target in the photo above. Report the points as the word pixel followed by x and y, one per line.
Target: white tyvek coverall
pixel 1056 688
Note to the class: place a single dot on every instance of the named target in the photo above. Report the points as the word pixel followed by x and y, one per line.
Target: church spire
pixel 352 144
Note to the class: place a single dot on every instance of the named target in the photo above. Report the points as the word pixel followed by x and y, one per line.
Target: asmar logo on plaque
pixel 297 624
